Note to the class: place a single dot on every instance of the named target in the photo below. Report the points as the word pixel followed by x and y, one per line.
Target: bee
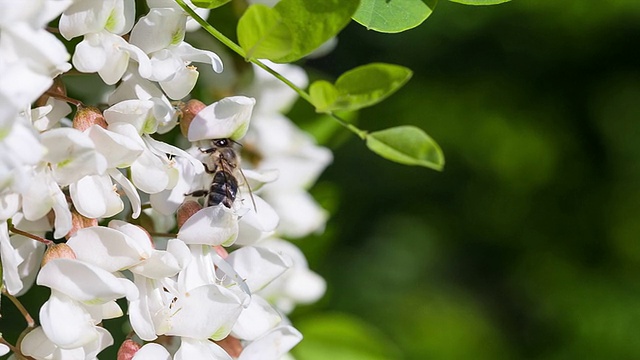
pixel 225 165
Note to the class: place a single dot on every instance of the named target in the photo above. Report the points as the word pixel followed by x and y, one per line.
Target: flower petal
pixel 191 54
pixel 84 282
pixel 129 190
pixel 72 155
pixel 258 222
pixel 273 345
pixel 83 17
pixel 119 150
pixel 95 197
pixel 149 173
pixel 66 323
pixel 135 112
pixel 227 118
pixel 152 351
pixel 108 248
pixel 181 84
pixel 10 262
pixel 213 225
pixel 159 29
pixel 259 266
pixel 201 350
pixel 256 320
pixel 37 345
pixel 208 311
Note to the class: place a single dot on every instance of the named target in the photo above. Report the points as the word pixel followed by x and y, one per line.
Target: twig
pixel 13 229
pixel 21 308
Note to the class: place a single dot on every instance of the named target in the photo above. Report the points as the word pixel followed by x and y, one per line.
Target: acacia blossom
pixel 216 282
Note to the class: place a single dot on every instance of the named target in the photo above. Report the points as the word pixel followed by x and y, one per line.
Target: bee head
pixel 221 143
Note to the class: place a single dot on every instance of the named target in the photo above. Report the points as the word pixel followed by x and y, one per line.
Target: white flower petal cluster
pixel 65 179
pixel 282 146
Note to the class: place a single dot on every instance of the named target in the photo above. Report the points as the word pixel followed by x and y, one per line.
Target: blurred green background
pixel 528 244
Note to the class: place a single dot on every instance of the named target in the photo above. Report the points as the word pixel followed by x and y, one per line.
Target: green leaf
pixel 209 4
pixel 360 87
pixel 301 25
pixel 313 23
pixel 393 16
pixel 323 95
pixel 263 34
pixel 480 2
pixel 407 145
pixel 342 337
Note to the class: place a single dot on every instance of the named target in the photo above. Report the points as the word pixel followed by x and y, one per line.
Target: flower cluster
pixel 222 286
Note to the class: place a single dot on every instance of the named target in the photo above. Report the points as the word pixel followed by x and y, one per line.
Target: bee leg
pixel 207 151
pixel 209 171
pixel 198 193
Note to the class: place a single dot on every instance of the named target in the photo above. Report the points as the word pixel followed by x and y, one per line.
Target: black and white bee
pixel 224 166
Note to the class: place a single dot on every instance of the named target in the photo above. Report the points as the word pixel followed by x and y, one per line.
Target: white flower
pixel 259 266
pixel 43 195
pixel 20 150
pixel 93 195
pixel 226 119
pixel 152 171
pixel 108 55
pixel 282 146
pixel 160 34
pixel 32 57
pixel 135 87
pixel 71 155
pixel 37 345
pixel 82 294
pixel 92 16
pixel 152 351
pixel 20 255
pixel 299 285
pixel 272 345
pixel 200 349
pixel 103 50
pixel 47 116
pixel 192 25
pixel 213 225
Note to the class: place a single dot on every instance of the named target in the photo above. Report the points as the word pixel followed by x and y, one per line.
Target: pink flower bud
pixel 128 349
pixel 189 111
pixel 186 210
pixel 231 345
pixel 87 116
pixel 78 222
pixel 58 251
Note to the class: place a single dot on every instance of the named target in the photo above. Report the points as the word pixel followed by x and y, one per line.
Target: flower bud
pixel 189 111
pixel 58 251
pixel 87 116
pixel 231 345
pixel 128 349
pixel 186 210
pixel 78 222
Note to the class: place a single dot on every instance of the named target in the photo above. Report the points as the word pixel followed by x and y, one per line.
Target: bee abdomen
pixel 224 189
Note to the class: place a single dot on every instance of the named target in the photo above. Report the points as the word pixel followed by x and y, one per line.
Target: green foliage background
pixel 528 244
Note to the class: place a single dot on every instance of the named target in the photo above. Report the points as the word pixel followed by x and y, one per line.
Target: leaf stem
pixel 211 30
pixel 21 308
pixel 15 230
pixel 238 50
pixel 76 103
